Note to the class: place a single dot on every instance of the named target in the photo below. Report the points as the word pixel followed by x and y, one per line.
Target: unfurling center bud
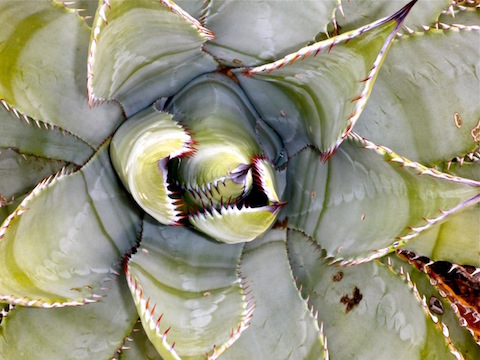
pixel 210 175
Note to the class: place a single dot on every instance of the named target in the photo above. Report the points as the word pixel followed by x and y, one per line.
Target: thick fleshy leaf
pixel 67 237
pixel 123 66
pixel 84 8
pixel 38 138
pixel 447 308
pixel 140 151
pixel 282 326
pixel 20 173
pixel 460 16
pixel 186 285
pixel 217 111
pixel 315 96
pixel 43 49
pixel 365 299
pixel 222 122
pixel 421 69
pixel 31 151
pixel 462 231
pixel 214 104
pixel 457 240
pixel 137 346
pixel 93 331
pixel 196 8
pixel 227 158
pixel 355 13
pixel 235 225
pixel 465 168
pixel 367 200
pixel 249 33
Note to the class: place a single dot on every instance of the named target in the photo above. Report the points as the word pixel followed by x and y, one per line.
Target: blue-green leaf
pixel 42 74
pixel 125 67
pixel 367 200
pixel 67 237
pixel 282 326
pixel 187 291
pixel 93 331
pixel 250 33
pixel 315 95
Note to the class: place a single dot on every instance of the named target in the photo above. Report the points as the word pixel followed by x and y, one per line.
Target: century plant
pixel 184 180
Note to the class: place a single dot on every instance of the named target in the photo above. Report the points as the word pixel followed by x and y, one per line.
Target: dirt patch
pixel 353 301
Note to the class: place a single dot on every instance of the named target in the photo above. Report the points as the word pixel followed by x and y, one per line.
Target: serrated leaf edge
pixel 147 312
pixel 68 5
pixel 412 232
pixel 313 311
pixel 23 208
pixel 443 290
pixel 235 334
pixel 41 125
pixel 361 100
pixel 441 326
pixel 102 21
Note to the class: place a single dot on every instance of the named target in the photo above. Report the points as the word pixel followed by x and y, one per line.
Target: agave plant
pixel 182 180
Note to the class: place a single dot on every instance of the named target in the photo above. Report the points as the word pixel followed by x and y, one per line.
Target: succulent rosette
pixel 182 179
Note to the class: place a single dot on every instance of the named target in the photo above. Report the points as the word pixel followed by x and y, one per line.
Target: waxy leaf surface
pixel 250 33
pixel 355 13
pixel 137 346
pixel 456 240
pixel 136 72
pixel 442 311
pixel 440 83
pixel 337 203
pixel 365 299
pixel 40 139
pixel 93 331
pixel 42 74
pixel 288 329
pixel 140 151
pixel 187 291
pixel 315 96
pixel 47 262
pixel 21 173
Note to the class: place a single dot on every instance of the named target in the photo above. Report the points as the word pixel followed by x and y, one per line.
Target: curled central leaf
pixel 204 168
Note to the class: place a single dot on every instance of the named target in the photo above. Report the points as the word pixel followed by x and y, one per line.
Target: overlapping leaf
pixel 137 346
pixel 38 138
pixel 337 203
pixel 31 150
pixel 440 85
pixel 464 167
pixel 250 33
pixel 443 311
pixel 20 173
pixel 368 299
pixel 288 329
pixel 84 8
pixel 93 331
pixel 457 240
pixel 226 124
pixel 67 237
pixel 187 291
pixel 315 95
pixel 135 68
pixel 460 15
pixel 352 14
pixel 50 85
pixel 196 8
